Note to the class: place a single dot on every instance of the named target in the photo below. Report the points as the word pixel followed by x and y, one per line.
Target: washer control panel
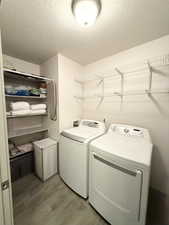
pixel 90 124
pixel 93 124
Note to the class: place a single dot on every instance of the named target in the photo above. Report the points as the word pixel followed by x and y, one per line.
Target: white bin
pixel 45 158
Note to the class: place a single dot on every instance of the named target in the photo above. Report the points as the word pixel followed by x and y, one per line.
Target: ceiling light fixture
pixel 86 11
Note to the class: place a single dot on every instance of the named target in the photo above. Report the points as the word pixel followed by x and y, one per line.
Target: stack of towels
pixel 38 109
pixel 24 108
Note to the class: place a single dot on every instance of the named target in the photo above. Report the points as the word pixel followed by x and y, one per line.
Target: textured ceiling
pixel 35 30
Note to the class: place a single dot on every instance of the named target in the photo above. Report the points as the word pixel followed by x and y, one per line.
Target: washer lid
pixel 82 133
pixel 136 149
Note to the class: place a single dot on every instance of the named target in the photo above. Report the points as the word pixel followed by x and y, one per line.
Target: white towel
pixel 15 106
pixel 38 106
pixel 40 111
pixel 20 112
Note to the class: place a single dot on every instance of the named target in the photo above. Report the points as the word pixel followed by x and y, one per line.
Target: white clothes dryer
pixel 74 155
pixel 119 172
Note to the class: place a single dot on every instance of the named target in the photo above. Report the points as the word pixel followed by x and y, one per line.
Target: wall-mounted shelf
pixel 126 93
pixel 27 131
pixel 148 65
pixel 18 74
pixel 25 97
pixel 26 115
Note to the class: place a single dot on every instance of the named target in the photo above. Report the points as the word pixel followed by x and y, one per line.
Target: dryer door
pixel 115 191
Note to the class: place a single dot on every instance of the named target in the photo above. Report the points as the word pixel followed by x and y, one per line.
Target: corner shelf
pixel 27 131
pixel 13 132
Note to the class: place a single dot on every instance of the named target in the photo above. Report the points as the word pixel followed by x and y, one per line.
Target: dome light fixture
pixel 86 11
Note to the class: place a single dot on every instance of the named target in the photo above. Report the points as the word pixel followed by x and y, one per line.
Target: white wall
pixel 150 49
pixel 70 108
pixel 64 71
pixel 50 69
pixel 137 110
pixel 21 65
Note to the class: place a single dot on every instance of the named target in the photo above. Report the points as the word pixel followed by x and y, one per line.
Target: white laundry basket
pixel 45 158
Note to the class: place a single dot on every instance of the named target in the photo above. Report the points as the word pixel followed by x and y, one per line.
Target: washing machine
pixel 74 156
pixel 119 172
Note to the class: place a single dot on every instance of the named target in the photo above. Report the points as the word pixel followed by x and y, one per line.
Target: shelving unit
pixel 24 128
pixel 149 66
pixel 20 78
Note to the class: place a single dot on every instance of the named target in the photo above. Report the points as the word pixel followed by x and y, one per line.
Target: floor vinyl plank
pixel 53 203
pixel 50 203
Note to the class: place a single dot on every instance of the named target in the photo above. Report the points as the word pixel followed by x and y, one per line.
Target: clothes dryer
pixel 120 163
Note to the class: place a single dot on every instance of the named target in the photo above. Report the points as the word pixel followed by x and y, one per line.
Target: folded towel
pixel 40 111
pixel 15 106
pixel 38 106
pixel 20 112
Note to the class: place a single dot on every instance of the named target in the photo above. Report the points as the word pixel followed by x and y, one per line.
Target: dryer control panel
pixel 130 131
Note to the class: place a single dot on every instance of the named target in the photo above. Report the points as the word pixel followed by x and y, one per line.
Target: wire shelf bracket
pixel 150 77
pixel 122 86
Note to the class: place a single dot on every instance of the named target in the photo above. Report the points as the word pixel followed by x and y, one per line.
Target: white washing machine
pixel 120 162
pixel 73 154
